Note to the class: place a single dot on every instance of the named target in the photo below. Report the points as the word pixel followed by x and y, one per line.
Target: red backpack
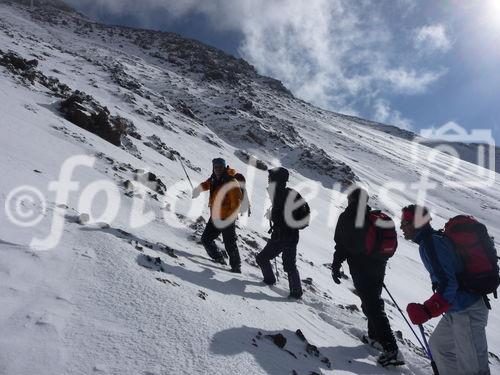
pixel 381 238
pixel 476 251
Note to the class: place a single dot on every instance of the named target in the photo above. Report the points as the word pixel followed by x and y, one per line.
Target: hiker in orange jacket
pixel 224 202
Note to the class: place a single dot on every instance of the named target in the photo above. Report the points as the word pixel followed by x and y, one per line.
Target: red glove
pixel 418 313
pixel 437 305
pixel 434 306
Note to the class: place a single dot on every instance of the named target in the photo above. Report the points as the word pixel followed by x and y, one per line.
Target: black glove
pixel 336 274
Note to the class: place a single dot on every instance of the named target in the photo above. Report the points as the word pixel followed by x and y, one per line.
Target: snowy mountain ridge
pixel 118 297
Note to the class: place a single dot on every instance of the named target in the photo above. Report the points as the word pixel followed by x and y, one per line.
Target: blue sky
pixel 416 64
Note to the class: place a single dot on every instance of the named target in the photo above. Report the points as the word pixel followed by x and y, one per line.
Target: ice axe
pixel 184 168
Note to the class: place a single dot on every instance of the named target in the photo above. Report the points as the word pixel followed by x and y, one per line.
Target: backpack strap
pixel 487 301
pixel 435 264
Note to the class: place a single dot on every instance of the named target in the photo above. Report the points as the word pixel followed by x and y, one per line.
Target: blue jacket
pixel 443 266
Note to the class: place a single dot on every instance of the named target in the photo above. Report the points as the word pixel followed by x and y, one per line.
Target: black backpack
pixel 301 214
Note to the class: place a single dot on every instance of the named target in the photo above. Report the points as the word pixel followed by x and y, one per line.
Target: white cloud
pixel 432 38
pixel 385 114
pixel 410 81
pixel 337 54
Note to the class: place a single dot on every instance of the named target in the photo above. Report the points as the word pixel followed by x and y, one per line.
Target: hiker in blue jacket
pixel 458 343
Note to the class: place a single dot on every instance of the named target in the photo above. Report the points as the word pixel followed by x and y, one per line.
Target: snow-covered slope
pixel 112 297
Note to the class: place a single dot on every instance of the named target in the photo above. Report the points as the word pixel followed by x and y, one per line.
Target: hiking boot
pixel 295 295
pixel 372 342
pixel 235 270
pixel 391 358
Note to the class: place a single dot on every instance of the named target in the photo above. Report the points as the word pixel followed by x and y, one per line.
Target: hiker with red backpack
pixel 463 268
pixel 289 213
pixel 367 239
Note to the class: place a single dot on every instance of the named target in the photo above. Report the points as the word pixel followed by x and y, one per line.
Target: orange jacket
pixel 231 198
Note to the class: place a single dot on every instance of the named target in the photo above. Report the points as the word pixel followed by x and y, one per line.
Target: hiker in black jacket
pixel 284 238
pixel 367 274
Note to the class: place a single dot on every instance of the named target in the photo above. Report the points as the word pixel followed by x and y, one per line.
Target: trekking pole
pixel 276 269
pixel 185 172
pixel 404 317
pixel 429 354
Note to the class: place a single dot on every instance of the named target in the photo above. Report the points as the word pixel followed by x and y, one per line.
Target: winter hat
pixel 219 161
pixel 418 215
pixel 278 174
pixel 358 193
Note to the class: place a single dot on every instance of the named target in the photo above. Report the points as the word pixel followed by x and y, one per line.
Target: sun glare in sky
pixel 491 15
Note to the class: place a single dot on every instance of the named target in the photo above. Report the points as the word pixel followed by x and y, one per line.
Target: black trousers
pixel 286 244
pixel 368 278
pixel 208 237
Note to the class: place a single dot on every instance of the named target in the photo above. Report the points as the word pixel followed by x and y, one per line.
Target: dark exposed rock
pixel 203 295
pixel 83 111
pixel 279 340
pixel 57 4
pixel 159 146
pixel 166 281
pixel 77 107
pixel 250 159
pixel 151 181
pixel 327 362
pixel 308 281
pixel 158 120
pixel 210 140
pixel 312 350
pixel 135 135
pixel 130 147
pixel 17 62
pixel 316 159
pixel 183 108
pixel 352 308
pixel 277 86
pixel 398 334
pixel 300 335
pixel 252 136
pixel 246 104
pixel 121 78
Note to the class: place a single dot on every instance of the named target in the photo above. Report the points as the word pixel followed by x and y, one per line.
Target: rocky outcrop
pixel 26 72
pixel 250 159
pixel 56 4
pixel 83 111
